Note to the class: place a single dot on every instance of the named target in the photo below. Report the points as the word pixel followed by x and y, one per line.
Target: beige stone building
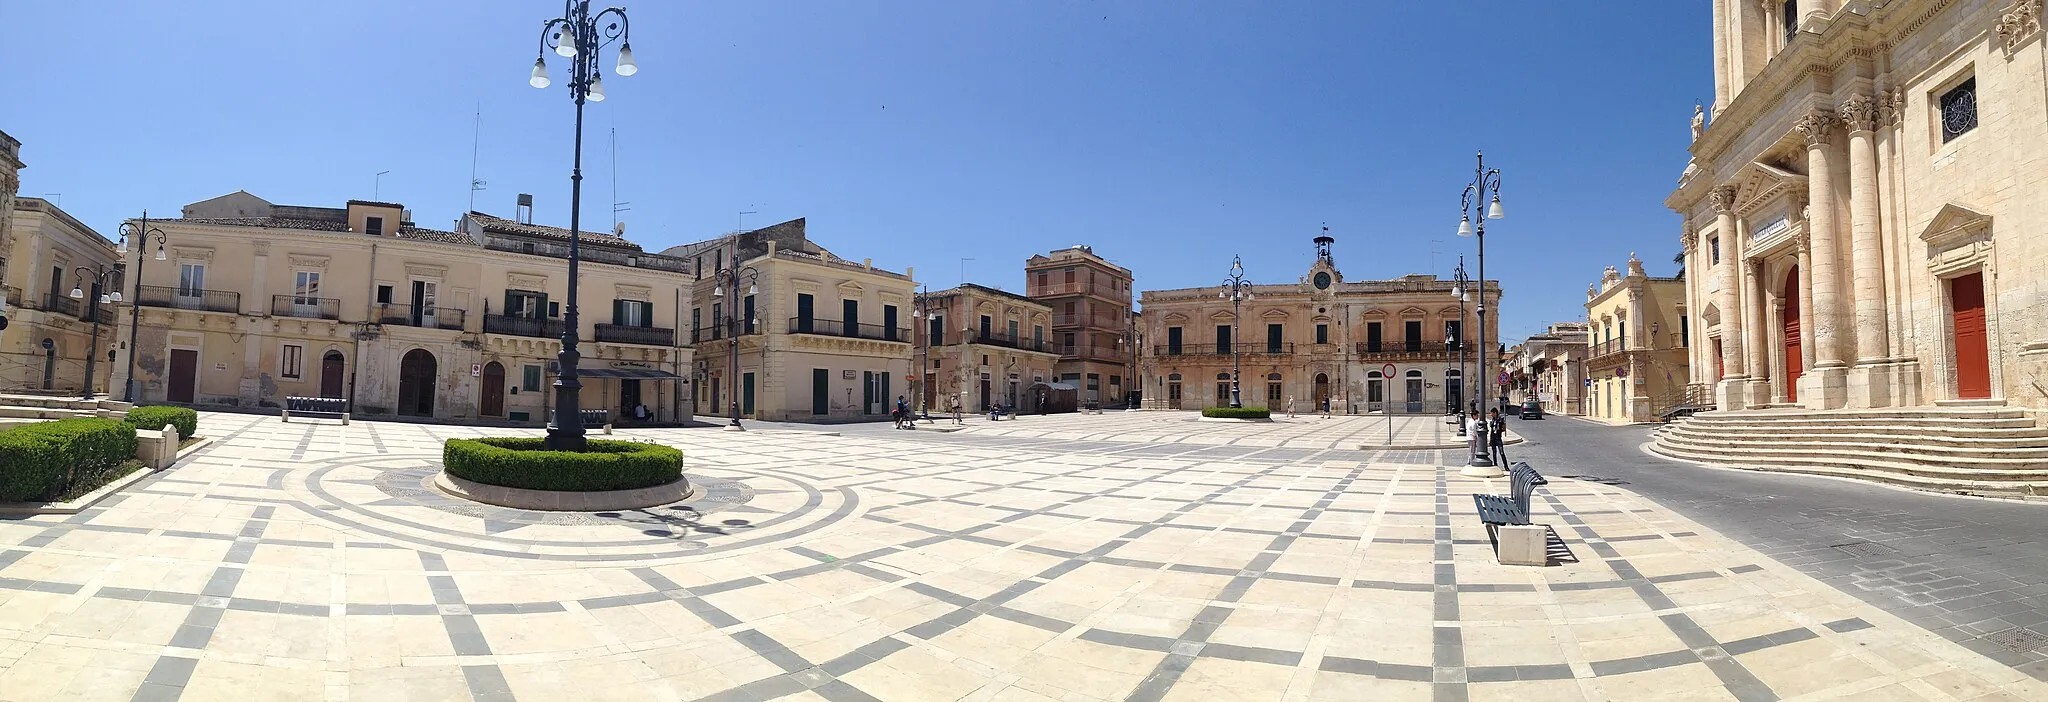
pixel 1550 366
pixel 819 338
pixel 253 302
pixel 1863 220
pixel 1092 321
pixel 1314 339
pixel 1638 347
pixel 49 335
pixel 990 346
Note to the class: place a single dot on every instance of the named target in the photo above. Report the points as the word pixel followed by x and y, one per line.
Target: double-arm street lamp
pixel 1474 205
pixel 921 310
pixel 141 233
pixel 102 279
pixel 578 36
pixel 1459 290
pixel 1237 290
pixel 736 323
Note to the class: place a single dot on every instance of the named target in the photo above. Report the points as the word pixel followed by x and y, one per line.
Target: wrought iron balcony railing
pixel 1213 349
pixel 305 307
pixel 1416 349
pixel 523 326
pixel 623 334
pixel 833 327
pixel 424 317
pixel 186 298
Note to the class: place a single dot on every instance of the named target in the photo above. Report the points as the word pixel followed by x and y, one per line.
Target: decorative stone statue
pixel 1699 120
pixel 1635 265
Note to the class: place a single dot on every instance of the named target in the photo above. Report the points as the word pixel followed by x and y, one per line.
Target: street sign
pixel 1387 370
pixel 475 369
pixel 1621 372
pixel 1503 378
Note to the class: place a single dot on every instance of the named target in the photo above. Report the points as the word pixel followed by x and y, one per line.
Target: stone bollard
pixel 157 449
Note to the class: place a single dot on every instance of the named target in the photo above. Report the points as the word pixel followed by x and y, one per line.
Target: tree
pixel 1679 258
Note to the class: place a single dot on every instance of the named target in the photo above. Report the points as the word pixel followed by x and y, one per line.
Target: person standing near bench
pixel 1496 429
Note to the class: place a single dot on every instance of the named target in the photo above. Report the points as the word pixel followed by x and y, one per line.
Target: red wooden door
pixel 1794 358
pixel 494 390
pixel 1973 358
pixel 184 375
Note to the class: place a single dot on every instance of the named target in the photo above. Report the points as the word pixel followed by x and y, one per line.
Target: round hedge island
pixel 522 473
pixel 1237 414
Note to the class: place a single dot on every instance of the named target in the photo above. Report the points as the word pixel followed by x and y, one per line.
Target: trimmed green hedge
pixel 1238 412
pixel 41 461
pixel 526 463
pixel 155 417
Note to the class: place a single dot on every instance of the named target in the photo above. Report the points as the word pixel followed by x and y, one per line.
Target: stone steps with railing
pixel 1988 450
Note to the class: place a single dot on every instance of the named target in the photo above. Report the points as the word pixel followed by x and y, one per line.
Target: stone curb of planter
pixel 559 501
pixel 1232 419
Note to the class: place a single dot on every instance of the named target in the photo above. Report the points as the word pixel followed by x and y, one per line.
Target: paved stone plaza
pixel 1303 430
pixel 1208 561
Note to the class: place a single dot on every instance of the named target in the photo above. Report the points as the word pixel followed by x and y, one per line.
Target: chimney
pixel 523 213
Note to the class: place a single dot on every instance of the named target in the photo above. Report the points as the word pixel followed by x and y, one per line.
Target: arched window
pixel 1174 377
pixel 1272 376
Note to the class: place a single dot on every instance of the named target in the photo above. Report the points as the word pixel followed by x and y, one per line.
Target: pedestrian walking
pixel 902 414
pixel 1497 447
pixel 1290 406
pixel 954 404
pixel 1326 408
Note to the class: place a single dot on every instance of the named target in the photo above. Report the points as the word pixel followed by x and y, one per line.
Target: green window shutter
pixel 647 314
pixel 618 311
pixel 509 297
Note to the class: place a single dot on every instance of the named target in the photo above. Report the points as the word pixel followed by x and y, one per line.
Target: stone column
pixel 1870 387
pixel 1826 386
pixel 1724 48
pixel 1752 293
pixel 1805 304
pixel 1732 395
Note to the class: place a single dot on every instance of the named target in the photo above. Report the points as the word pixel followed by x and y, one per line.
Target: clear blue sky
pixel 1169 135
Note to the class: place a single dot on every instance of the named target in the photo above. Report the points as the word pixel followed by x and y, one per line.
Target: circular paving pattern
pixel 392 495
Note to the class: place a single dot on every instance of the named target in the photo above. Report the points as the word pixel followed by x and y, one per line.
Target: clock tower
pixel 1323 275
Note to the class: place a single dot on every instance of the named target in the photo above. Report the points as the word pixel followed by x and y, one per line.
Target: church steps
pixel 2034 485
pixel 1933 459
pixel 1874 436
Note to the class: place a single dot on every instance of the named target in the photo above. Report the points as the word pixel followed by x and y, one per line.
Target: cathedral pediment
pixel 1759 183
pixel 1953 224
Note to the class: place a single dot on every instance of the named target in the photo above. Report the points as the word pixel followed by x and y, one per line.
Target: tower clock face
pixel 1322 280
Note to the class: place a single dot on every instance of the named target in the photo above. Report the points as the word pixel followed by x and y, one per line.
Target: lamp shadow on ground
pixel 679 523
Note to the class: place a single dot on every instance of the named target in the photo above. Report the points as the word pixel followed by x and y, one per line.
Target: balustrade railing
pixel 183 298
pixel 305 307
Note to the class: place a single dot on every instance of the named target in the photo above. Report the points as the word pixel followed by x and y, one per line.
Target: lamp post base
pixel 1481 468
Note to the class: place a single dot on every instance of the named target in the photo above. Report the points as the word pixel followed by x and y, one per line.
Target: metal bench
pixel 333 407
pixel 1511 509
pixel 593 418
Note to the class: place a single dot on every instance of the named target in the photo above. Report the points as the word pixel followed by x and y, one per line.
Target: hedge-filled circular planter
pixel 1252 413
pixel 526 463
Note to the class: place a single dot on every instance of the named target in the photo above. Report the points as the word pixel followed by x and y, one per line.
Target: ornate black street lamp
pixel 921 310
pixel 1485 186
pixel 729 278
pixel 577 36
pixel 1237 290
pixel 142 234
pixel 102 279
pixel 1458 290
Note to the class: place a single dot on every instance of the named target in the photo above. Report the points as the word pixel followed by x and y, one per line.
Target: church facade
pixel 1865 221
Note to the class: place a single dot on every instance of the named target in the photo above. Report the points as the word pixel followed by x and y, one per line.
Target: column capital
pixel 1723 197
pixel 1891 107
pixel 1752 266
pixel 1858 113
pixel 1688 240
pixel 1817 126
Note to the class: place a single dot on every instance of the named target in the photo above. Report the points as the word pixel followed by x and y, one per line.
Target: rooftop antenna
pixel 963 270
pixel 377 186
pixel 617 206
pixel 475 139
pixel 58 196
pixel 743 218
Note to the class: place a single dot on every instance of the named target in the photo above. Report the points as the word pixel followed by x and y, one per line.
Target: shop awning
pixel 627 373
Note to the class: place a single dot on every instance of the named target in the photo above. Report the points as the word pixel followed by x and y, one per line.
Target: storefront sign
pixel 632 364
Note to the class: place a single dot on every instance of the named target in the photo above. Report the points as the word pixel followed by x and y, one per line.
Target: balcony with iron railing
pixel 184 299
pixel 1413 350
pixel 1077 288
pixel 834 327
pixel 534 327
pixel 1282 348
pixel 423 317
pixel 1091 321
pixel 305 307
pixel 626 334
pixel 1003 339
pixel 715 332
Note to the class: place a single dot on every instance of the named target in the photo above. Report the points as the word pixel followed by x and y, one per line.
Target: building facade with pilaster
pixel 1637 350
pixel 990 347
pixel 1865 220
pixel 1092 323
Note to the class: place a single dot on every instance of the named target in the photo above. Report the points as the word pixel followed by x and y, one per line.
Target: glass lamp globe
pixel 626 65
pixel 539 79
pixel 1493 211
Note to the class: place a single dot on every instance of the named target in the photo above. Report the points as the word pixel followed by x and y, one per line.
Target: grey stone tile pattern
pixel 167 677
pixel 1964 569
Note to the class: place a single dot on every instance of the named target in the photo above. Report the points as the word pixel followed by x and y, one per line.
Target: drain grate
pixel 1865 549
pixel 2018 640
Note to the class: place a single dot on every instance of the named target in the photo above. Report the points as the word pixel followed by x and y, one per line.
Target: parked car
pixel 1532 409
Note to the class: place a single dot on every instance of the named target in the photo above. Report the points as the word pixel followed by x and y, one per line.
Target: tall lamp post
pixel 577 36
pixel 1134 339
pixel 1458 290
pixel 1237 290
pixel 142 234
pixel 102 278
pixel 921 310
pixel 729 279
pixel 1474 205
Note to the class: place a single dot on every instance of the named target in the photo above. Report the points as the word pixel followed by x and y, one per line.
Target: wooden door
pixel 1972 359
pixel 416 383
pixel 1795 358
pixel 333 369
pixel 184 375
pixel 821 381
pixel 494 390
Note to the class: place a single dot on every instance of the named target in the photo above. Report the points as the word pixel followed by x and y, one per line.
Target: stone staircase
pixel 27 409
pixel 1991 451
